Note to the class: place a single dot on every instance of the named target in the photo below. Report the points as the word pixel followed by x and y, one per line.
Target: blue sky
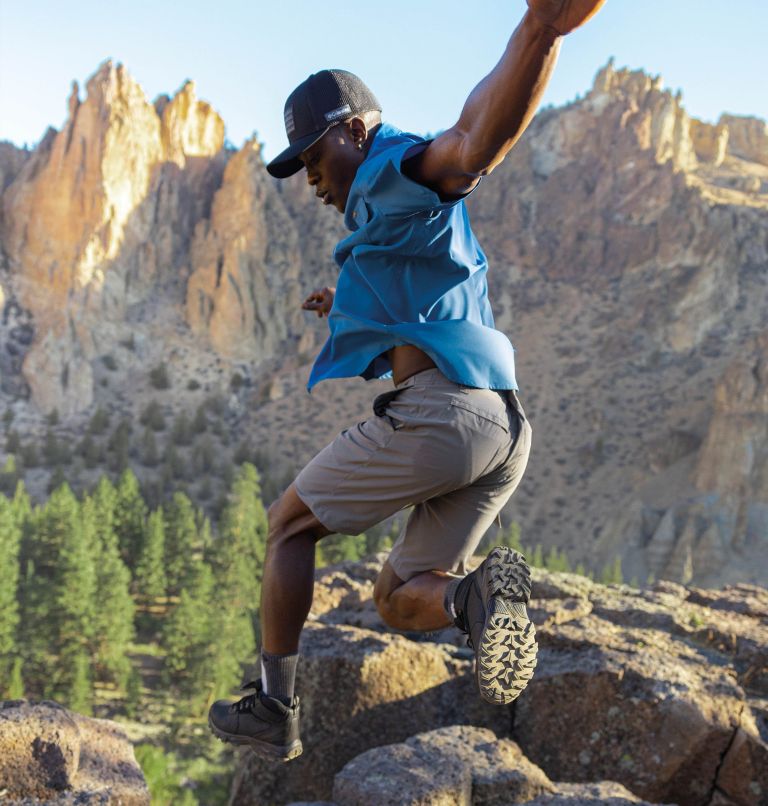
pixel 420 57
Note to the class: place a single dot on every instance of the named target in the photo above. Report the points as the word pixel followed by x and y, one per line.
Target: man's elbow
pixel 478 160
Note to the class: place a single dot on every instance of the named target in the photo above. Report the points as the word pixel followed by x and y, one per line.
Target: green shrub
pixel 153 416
pixel 13 442
pixel 99 422
pixel 159 377
pixel 163 780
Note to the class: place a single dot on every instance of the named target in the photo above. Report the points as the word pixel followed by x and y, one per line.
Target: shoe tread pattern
pixel 506 657
pixel 294 750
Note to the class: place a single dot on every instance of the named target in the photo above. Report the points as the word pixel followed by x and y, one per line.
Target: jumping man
pixel 451 439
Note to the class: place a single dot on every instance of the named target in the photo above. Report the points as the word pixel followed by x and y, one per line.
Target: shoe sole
pixel 506 657
pixel 265 749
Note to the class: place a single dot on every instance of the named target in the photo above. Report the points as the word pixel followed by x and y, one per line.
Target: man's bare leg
pixel 268 720
pixel 289 568
pixel 417 604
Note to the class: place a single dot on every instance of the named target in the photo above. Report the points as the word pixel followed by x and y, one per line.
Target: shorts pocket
pixel 482 412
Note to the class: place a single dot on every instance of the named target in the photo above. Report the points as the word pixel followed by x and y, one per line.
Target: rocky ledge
pixel 657 695
pixel 49 755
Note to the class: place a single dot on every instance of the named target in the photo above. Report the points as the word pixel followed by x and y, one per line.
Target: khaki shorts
pixel 455 453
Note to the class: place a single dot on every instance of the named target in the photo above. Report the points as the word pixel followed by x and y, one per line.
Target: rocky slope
pixel 628 262
pixel 662 692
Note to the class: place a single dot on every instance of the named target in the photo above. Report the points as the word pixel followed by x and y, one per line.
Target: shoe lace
pixel 247 702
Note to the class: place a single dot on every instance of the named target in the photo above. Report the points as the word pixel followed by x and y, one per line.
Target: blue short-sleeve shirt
pixel 411 272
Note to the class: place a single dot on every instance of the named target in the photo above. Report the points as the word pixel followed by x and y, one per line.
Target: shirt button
pixel 354 214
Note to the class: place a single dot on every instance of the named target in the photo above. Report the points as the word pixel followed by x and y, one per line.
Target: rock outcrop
pixel 748 137
pixel 12 160
pixel 244 294
pixel 53 756
pixel 662 692
pixel 101 215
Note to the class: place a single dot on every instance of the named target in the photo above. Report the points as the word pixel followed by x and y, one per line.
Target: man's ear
pixel 358 132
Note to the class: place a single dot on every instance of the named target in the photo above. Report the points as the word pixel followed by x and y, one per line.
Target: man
pixel 451 439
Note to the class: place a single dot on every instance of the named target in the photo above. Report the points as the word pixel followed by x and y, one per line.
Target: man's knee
pixel 386 584
pixel 275 521
pixel 289 517
pixel 384 607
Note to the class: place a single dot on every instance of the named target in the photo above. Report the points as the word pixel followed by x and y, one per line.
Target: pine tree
pixel 130 518
pixel 133 694
pixel 200 423
pixel 113 614
pixel 612 573
pixel 119 447
pixel 242 542
pixel 90 451
pixel 152 417
pixel 13 442
pixel 43 537
pixel 181 542
pixel 149 455
pixel 10 545
pixel 337 549
pixel 21 507
pixel 150 570
pixel 9 475
pixel 181 433
pixel 15 689
pixel 99 422
pixel 557 560
pixel 511 537
pixel 70 620
pixel 191 637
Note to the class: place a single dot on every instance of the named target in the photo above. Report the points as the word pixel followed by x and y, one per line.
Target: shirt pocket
pixel 480 411
pixel 361 212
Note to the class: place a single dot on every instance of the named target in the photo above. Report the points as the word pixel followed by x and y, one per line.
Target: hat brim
pixel 287 162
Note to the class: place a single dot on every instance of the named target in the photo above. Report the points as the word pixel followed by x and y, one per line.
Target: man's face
pixel 332 163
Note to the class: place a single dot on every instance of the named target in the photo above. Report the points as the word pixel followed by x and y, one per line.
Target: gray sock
pixel 278 675
pixel 449 602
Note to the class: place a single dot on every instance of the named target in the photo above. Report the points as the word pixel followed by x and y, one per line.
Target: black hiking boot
pixel 264 723
pixel 490 606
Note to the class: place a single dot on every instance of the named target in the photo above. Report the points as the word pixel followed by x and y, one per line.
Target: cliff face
pixel 243 293
pixel 100 217
pixel 628 261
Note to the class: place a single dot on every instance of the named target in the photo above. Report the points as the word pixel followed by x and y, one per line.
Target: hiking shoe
pixel 490 606
pixel 269 726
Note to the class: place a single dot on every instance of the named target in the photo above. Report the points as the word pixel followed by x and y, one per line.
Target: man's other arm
pixel 502 105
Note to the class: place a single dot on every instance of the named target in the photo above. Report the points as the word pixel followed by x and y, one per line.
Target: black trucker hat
pixel 313 107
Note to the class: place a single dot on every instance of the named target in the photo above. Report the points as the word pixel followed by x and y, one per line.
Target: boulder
pixel 454 765
pixel 51 755
pixel 647 688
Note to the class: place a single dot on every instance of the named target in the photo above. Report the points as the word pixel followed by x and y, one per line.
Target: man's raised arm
pixel 501 106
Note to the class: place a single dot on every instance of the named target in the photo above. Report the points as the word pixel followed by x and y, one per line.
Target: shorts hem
pixel 317 512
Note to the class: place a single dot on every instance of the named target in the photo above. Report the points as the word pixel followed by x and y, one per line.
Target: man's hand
pixel 564 15
pixel 320 301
